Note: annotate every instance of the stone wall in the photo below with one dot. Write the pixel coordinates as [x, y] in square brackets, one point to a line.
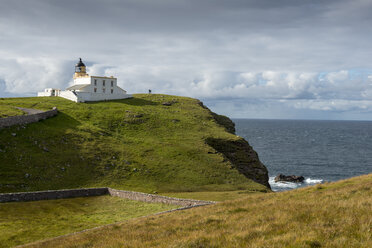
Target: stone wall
[71, 193]
[25, 119]
[52, 194]
[138, 196]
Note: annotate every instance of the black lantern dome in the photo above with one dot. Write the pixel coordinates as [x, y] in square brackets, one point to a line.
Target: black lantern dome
[80, 67]
[80, 63]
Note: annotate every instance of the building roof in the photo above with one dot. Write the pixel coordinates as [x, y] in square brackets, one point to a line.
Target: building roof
[110, 77]
[77, 87]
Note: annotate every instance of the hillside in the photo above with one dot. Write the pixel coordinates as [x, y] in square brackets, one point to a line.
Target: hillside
[328, 215]
[150, 143]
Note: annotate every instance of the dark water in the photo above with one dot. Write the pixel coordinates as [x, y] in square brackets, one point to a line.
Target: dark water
[318, 150]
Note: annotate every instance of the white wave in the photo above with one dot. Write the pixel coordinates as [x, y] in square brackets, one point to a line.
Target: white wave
[313, 181]
[280, 186]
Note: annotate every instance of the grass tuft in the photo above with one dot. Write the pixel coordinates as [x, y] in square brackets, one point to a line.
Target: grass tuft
[313, 244]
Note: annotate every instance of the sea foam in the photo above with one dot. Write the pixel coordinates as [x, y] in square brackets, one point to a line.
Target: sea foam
[313, 181]
[282, 186]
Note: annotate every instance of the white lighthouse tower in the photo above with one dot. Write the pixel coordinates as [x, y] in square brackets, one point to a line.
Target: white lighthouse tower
[89, 88]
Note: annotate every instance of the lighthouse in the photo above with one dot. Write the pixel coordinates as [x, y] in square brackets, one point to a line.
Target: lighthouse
[88, 88]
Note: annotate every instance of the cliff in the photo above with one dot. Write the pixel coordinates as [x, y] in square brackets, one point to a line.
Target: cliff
[238, 152]
[148, 143]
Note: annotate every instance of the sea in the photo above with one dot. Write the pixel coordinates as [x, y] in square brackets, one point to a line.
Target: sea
[319, 150]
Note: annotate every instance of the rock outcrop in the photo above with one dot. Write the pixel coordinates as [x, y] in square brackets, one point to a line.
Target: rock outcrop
[243, 158]
[291, 178]
[238, 152]
[221, 120]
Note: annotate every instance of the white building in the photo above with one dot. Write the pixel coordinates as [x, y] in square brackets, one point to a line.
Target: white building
[49, 92]
[89, 88]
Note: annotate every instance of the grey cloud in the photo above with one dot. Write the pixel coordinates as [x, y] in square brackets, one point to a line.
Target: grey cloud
[235, 50]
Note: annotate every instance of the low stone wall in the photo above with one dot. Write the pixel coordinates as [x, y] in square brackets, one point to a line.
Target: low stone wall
[52, 194]
[138, 196]
[86, 192]
[25, 119]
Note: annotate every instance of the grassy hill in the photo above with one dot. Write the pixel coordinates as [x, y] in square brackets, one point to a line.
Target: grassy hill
[327, 215]
[150, 143]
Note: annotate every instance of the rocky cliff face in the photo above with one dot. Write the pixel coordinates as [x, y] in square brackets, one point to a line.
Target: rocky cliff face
[243, 157]
[239, 152]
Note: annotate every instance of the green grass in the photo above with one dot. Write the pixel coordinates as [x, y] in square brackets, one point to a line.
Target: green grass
[24, 222]
[135, 144]
[7, 111]
[327, 215]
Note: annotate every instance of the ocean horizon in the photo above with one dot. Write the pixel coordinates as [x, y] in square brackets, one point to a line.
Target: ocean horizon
[319, 150]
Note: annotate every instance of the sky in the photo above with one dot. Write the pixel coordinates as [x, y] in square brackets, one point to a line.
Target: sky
[277, 59]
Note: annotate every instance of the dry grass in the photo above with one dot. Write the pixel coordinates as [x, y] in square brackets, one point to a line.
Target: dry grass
[213, 195]
[328, 215]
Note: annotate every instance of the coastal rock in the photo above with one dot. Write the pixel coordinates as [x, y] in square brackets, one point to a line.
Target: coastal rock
[291, 178]
[238, 152]
[170, 103]
[242, 157]
[222, 120]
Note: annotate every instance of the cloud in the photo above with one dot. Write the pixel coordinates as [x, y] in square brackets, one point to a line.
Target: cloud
[281, 85]
[26, 75]
[335, 105]
[309, 52]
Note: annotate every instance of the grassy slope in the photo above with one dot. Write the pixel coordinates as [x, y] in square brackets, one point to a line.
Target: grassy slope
[212, 195]
[6, 111]
[25, 222]
[328, 215]
[137, 144]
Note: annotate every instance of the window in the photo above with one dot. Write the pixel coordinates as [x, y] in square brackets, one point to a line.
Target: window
[112, 91]
[104, 82]
[112, 83]
[95, 82]
[103, 90]
[95, 90]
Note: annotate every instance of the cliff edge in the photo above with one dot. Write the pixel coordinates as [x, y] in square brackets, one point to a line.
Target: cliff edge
[238, 152]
